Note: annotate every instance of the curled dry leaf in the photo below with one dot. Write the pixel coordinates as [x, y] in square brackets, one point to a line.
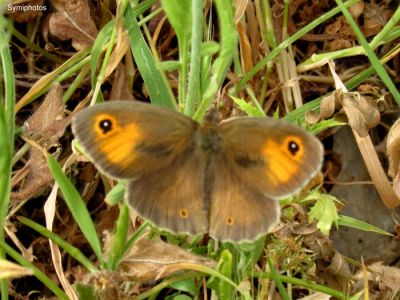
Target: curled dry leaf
[369, 154]
[361, 112]
[154, 259]
[328, 106]
[45, 127]
[72, 21]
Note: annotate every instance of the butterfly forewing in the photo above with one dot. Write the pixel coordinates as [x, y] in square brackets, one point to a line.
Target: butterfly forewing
[157, 151]
[128, 139]
[273, 156]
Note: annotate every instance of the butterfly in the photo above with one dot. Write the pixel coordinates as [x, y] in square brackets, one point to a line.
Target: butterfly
[193, 178]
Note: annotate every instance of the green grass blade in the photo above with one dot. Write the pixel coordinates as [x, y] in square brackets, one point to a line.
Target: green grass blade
[282, 291]
[97, 49]
[156, 83]
[193, 91]
[120, 237]
[361, 225]
[73, 251]
[7, 128]
[51, 285]
[228, 43]
[303, 283]
[179, 15]
[76, 205]
[66, 70]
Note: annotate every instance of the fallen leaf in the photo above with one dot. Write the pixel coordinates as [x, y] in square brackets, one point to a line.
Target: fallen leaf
[45, 127]
[72, 21]
[361, 113]
[120, 88]
[383, 278]
[374, 19]
[328, 106]
[26, 11]
[317, 296]
[155, 259]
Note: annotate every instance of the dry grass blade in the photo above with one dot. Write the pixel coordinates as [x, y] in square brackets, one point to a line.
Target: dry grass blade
[9, 270]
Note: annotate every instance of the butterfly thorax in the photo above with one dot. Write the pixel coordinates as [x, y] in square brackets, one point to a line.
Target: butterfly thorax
[210, 139]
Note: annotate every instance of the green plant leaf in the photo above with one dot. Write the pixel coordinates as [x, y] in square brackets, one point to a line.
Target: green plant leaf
[248, 108]
[116, 195]
[186, 285]
[159, 90]
[324, 211]
[180, 17]
[225, 267]
[361, 225]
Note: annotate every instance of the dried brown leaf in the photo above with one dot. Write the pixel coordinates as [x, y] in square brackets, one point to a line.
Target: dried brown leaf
[155, 259]
[120, 88]
[72, 21]
[317, 296]
[26, 11]
[357, 9]
[338, 44]
[45, 127]
[327, 108]
[361, 113]
[339, 267]
[340, 27]
[374, 19]
[385, 278]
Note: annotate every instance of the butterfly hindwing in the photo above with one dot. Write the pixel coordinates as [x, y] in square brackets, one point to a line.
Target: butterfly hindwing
[238, 210]
[172, 197]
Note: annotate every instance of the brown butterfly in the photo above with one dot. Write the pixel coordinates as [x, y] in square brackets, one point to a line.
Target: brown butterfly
[190, 178]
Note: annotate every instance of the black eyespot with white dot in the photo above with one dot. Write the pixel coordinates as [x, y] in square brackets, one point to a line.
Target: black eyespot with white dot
[105, 125]
[293, 147]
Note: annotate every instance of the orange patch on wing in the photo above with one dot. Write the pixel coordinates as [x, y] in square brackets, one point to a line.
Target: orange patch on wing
[118, 143]
[282, 164]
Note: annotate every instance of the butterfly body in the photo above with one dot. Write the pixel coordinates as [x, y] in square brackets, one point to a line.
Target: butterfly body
[218, 178]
